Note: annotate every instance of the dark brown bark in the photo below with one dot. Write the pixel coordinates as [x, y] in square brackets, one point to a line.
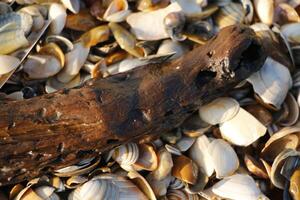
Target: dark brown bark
[59, 129]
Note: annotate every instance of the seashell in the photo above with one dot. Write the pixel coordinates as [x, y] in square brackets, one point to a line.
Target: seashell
[264, 10]
[249, 11]
[84, 167]
[194, 126]
[149, 5]
[284, 14]
[271, 83]
[174, 23]
[125, 39]
[8, 64]
[75, 181]
[41, 192]
[159, 187]
[12, 40]
[57, 183]
[223, 157]
[201, 182]
[243, 129]
[173, 150]
[255, 167]
[260, 113]
[142, 184]
[82, 21]
[219, 110]
[18, 95]
[52, 84]
[199, 153]
[291, 32]
[107, 186]
[64, 43]
[58, 16]
[176, 184]
[238, 187]
[41, 66]
[15, 191]
[95, 36]
[154, 19]
[19, 21]
[276, 177]
[72, 5]
[37, 17]
[54, 50]
[74, 61]
[148, 47]
[5, 8]
[172, 136]
[291, 108]
[126, 154]
[147, 159]
[230, 14]
[294, 185]
[185, 169]
[117, 11]
[180, 195]
[286, 138]
[169, 46]
[165, 164]
[189, 7]
[198, 31]
[185, 143]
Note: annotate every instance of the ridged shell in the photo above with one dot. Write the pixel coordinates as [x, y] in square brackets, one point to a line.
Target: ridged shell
[126, 154]
[147, 159]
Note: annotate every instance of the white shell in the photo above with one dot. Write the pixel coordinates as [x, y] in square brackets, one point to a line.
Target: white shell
[58, 16]
[169, 46]
[265, 10]
[112, 14]
[38, 19]
[219, 110]
[52, 84]
[41, 66]
[72, 5]
[8, 63]
[189, 6]
[223, 157]
[292, 32]
[165, 164]
[74, 61]
[243, 129]
[185, 143]
[237, 187]
[272, 82]
[200, 154]
[126, 154]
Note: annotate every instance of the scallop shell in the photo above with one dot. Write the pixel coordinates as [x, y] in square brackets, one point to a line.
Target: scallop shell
[243, 129]
[107, 186]
[58, 16]
[264, 10]
[223, 157]
[237, 187]
[117, 11]
[219, 110]
[271, 82]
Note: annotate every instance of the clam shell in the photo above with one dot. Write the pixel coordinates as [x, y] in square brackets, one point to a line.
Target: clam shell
[264, 10]
[64, 43]
[72, 5]
[199, 153]
[219, 110]
[259, 112]
[291, 107]
[201, 182]
[8, 63]
[41, 66]
[185, 143]
[223, 157]
[243, 129]
[255, 167]
[75, 181]
[12, 40]
[159, 187]
[37, 17]
[237, 187]
[82, 21]
[285, 13]
[95, 36]
[57, 183]
[126, 154]
[185, 169]
[107, 186]
[117, 11]
[58, 16]
[271, 82]
[194, 126]
[165, 164]
[74, 61]
[173, 150]
[291, 32]
[147, 159]
[54, 50]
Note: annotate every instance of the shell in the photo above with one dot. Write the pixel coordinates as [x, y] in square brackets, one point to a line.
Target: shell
[185, 169]
[169, 46]
[64, 43]
[291, 32]
[286, 138]
[194, 126]
[223, 157]
[37, 17]
[147, 159]
[180, 195]
[249, 11]
[285, 13]
[243, 129]
[264, 10]
[200, 184]
[260, 113]
[16, 95]
[39, 193]
[41, 66]
[291, 107]
[126, 154]
[255, 167]
[82, 21]
[176, 184]
[294, 184]
[271, 83]
[230, 14]
[125, 39]
[19, 21]
[173, 150]
[54, 50]
[8, 63]
[159, 187]
[199, 153]
[174, 23]
[185, 143]
[5, 8]
[12, 40]
[198, 31]
[95, 36]
[58, 16]
[75, 181]
[107, 186]
[237, 187]
[57, 183]
[165, 165]
[74, 61]
[72, 5]
[117, 11]
[52, 84]
[219, 110]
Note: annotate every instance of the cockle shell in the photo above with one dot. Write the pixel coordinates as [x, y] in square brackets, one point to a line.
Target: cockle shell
[264, 10]
[237, 187]
[223, 157]
[57, 14]
[107, 186]
[271, 83]
[243, 129]
[117, 11]
[219, 110]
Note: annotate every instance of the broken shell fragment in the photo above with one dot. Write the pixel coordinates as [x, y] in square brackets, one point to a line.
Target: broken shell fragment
[255, 167]
[223, 157]
[185, 169]
[117, 11]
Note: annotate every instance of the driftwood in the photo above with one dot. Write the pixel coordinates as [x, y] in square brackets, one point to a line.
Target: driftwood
[55, 130]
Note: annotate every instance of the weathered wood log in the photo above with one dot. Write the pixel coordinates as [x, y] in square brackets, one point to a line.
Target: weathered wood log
[55, 130]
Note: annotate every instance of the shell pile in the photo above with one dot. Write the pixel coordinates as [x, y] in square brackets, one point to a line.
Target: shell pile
[243, 146]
